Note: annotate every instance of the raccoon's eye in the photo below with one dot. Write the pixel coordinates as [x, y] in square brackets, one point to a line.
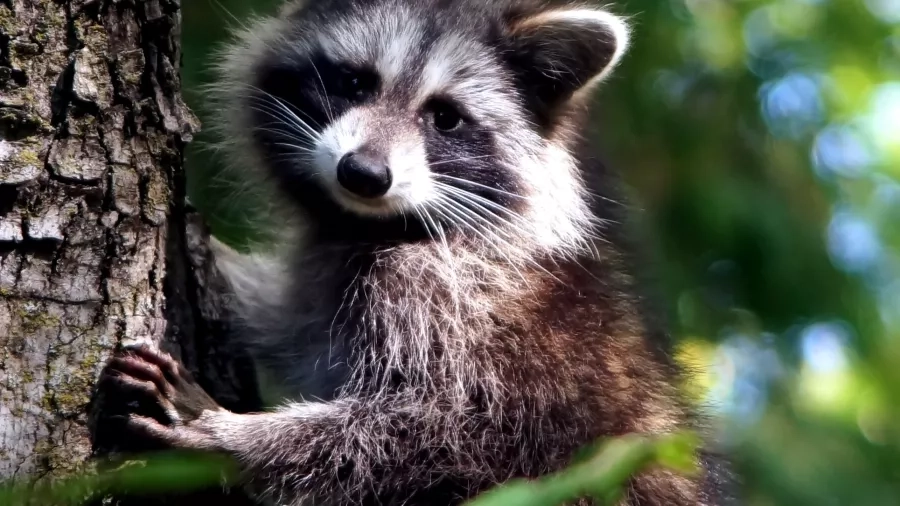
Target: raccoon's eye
[445, 116]
[355, 84]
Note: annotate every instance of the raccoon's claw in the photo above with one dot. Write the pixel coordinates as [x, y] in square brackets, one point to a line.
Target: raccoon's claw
[142, 374]
[193, 436]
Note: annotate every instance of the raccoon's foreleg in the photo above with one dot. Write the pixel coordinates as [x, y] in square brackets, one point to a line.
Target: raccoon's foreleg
[313, 451]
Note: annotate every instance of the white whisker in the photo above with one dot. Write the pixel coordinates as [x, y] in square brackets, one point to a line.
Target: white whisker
[299, 149]
[464, 159]
[479, 185]
[291, 107]
[326, 104]
[288, 135]
[422, 219]
[284, 114]
[451, 207]
[472, 210]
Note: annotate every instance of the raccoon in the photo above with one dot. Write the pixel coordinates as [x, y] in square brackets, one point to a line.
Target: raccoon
[457, 304]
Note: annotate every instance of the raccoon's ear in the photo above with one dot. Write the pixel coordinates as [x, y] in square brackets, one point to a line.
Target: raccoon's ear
[558, 53]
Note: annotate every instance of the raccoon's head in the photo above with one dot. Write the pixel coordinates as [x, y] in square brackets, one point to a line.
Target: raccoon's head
[416, 118]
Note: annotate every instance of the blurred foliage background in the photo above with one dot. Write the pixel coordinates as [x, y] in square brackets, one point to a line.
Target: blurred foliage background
[761, 140]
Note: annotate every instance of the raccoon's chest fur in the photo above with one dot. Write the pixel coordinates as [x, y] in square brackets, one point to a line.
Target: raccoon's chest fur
[298, 343]
[314, 369]
[417, 315]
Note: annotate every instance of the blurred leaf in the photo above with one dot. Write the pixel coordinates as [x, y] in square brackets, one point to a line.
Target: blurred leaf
[165, 473]
[601, 472]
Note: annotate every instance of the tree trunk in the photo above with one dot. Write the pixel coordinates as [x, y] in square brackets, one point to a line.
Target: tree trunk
[96, 244]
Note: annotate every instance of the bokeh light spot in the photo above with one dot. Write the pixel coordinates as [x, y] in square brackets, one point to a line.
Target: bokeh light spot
[841, 150]
[822, 346]
[853, 242]
[885, 10]
[791, 106]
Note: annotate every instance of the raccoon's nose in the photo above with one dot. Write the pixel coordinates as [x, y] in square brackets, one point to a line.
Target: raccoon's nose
[364, 175]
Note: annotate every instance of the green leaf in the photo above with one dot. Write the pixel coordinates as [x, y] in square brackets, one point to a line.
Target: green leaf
[171, 472]
[601, 471]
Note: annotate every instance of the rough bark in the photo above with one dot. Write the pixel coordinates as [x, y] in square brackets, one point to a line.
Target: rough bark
[96, 246]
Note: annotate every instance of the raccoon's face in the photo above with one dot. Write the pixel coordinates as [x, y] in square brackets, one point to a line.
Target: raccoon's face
[441, 116]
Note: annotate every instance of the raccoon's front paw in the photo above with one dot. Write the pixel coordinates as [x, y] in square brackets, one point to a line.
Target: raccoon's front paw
[141, 373]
